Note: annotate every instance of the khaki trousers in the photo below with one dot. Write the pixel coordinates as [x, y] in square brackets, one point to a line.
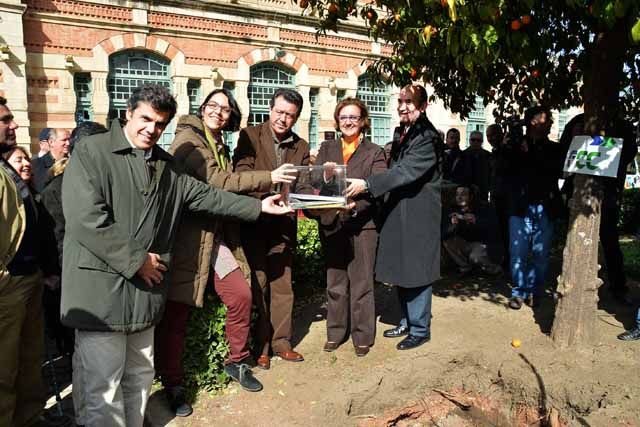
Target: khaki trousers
[118, 372]
[21, 349]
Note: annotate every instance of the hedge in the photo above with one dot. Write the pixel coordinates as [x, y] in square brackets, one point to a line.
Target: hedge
[206, 347]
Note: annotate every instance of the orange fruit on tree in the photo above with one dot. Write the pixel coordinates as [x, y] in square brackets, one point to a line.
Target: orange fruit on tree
[397, 17]
[516, 24]
[535, 74]
[413, 73]
[526, 19]
[333, 8]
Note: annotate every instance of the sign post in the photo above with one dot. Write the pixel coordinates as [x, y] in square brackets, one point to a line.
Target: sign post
[597, 155]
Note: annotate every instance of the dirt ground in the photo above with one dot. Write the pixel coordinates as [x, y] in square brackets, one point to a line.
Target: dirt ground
[468, 375]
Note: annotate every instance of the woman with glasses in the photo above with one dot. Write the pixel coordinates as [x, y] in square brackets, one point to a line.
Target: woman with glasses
[349, 237]
[209, 252]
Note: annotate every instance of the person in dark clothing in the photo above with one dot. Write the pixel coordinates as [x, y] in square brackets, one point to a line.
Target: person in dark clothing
[612, 196]
[58, 149]
[465, 232]
[533, 201]
[497, 188]
[408, 253]
[478, 160]
[454, 166]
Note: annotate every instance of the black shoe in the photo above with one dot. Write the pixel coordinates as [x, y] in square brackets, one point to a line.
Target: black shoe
[178, 402]
[396, 332]
[412, 341]
[632, 335]
[241, 373]
[515, 303]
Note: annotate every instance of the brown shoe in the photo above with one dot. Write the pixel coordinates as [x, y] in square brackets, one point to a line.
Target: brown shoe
[263, 362]
[290, 356]
[330, 346]
[361, 350]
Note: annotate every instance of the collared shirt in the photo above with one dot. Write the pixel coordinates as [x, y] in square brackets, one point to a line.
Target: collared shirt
[281, 146]
[149, 168]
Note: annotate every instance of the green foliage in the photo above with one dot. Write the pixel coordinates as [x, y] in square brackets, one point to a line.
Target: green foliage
[631, 254]
[308, 260]
[206, 347]
[510, 53]
[629, 211]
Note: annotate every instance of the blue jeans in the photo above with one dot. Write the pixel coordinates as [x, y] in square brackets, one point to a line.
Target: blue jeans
[529, 234]
[415, 304]
[638, 319]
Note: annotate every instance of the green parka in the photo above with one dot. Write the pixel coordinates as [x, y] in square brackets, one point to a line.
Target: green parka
[116, 212]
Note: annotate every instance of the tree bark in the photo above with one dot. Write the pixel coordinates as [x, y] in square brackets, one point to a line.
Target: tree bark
[575, 316]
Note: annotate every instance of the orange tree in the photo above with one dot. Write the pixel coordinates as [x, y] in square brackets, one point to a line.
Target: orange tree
[516, 53]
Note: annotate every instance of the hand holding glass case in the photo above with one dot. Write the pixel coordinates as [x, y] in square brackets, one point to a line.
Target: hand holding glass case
[327, 184]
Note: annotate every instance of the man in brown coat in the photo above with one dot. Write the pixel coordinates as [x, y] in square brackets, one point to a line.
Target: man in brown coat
[269, 244]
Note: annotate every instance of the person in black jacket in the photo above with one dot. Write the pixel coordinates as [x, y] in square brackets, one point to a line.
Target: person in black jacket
[533, 201]
[409, 247]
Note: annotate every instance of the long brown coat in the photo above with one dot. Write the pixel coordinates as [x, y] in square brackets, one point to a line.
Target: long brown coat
[196, 233]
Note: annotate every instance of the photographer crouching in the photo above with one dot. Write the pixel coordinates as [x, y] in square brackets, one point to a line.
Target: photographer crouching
[533, 201]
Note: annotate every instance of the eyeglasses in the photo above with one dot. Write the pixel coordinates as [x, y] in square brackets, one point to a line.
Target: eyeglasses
[351, 119]
[213, 106]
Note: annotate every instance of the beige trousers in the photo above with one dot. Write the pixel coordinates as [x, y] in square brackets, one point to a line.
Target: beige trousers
[116, 376]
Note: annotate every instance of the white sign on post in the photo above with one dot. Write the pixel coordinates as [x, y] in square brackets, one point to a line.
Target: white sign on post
[597, 155]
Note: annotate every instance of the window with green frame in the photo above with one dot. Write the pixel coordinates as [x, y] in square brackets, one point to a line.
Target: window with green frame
[130, 69]
[82, 87]
[265, 79]
[476, 120]
[377, 99]
[195, 95]
[313, 119]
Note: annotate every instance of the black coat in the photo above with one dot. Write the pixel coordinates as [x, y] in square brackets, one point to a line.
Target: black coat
[51, 198]
[40, 168]
[409, 245]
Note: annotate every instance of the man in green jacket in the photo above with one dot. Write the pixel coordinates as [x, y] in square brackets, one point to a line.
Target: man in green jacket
[122, 198]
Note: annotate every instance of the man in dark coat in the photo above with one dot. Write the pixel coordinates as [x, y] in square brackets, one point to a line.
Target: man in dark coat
[409, 247]
[58, 149]
[122, 198]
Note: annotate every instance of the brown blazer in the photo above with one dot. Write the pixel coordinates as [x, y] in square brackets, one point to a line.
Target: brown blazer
[368, 159]
[196, 234]
[256, 151]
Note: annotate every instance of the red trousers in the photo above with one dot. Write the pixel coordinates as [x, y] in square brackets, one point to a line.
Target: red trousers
[235, 293]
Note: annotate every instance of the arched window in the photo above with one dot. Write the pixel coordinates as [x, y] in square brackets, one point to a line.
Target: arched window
[127, 71]
[376, 98]
[266, 78]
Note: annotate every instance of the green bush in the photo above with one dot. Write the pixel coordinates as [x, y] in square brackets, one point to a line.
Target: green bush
[308, 261]
[629, 211]
[206, 347]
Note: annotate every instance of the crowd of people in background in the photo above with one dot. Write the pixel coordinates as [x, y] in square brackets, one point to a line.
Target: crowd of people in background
[111, 241]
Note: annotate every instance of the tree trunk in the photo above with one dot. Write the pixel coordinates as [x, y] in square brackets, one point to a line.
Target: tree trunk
[575, 317]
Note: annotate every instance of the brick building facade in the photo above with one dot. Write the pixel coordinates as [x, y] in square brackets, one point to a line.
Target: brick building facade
[63, 61]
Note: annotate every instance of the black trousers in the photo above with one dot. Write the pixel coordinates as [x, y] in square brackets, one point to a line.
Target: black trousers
[609, 237]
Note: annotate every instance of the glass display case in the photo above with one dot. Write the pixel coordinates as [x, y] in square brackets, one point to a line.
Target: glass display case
[317, 187]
